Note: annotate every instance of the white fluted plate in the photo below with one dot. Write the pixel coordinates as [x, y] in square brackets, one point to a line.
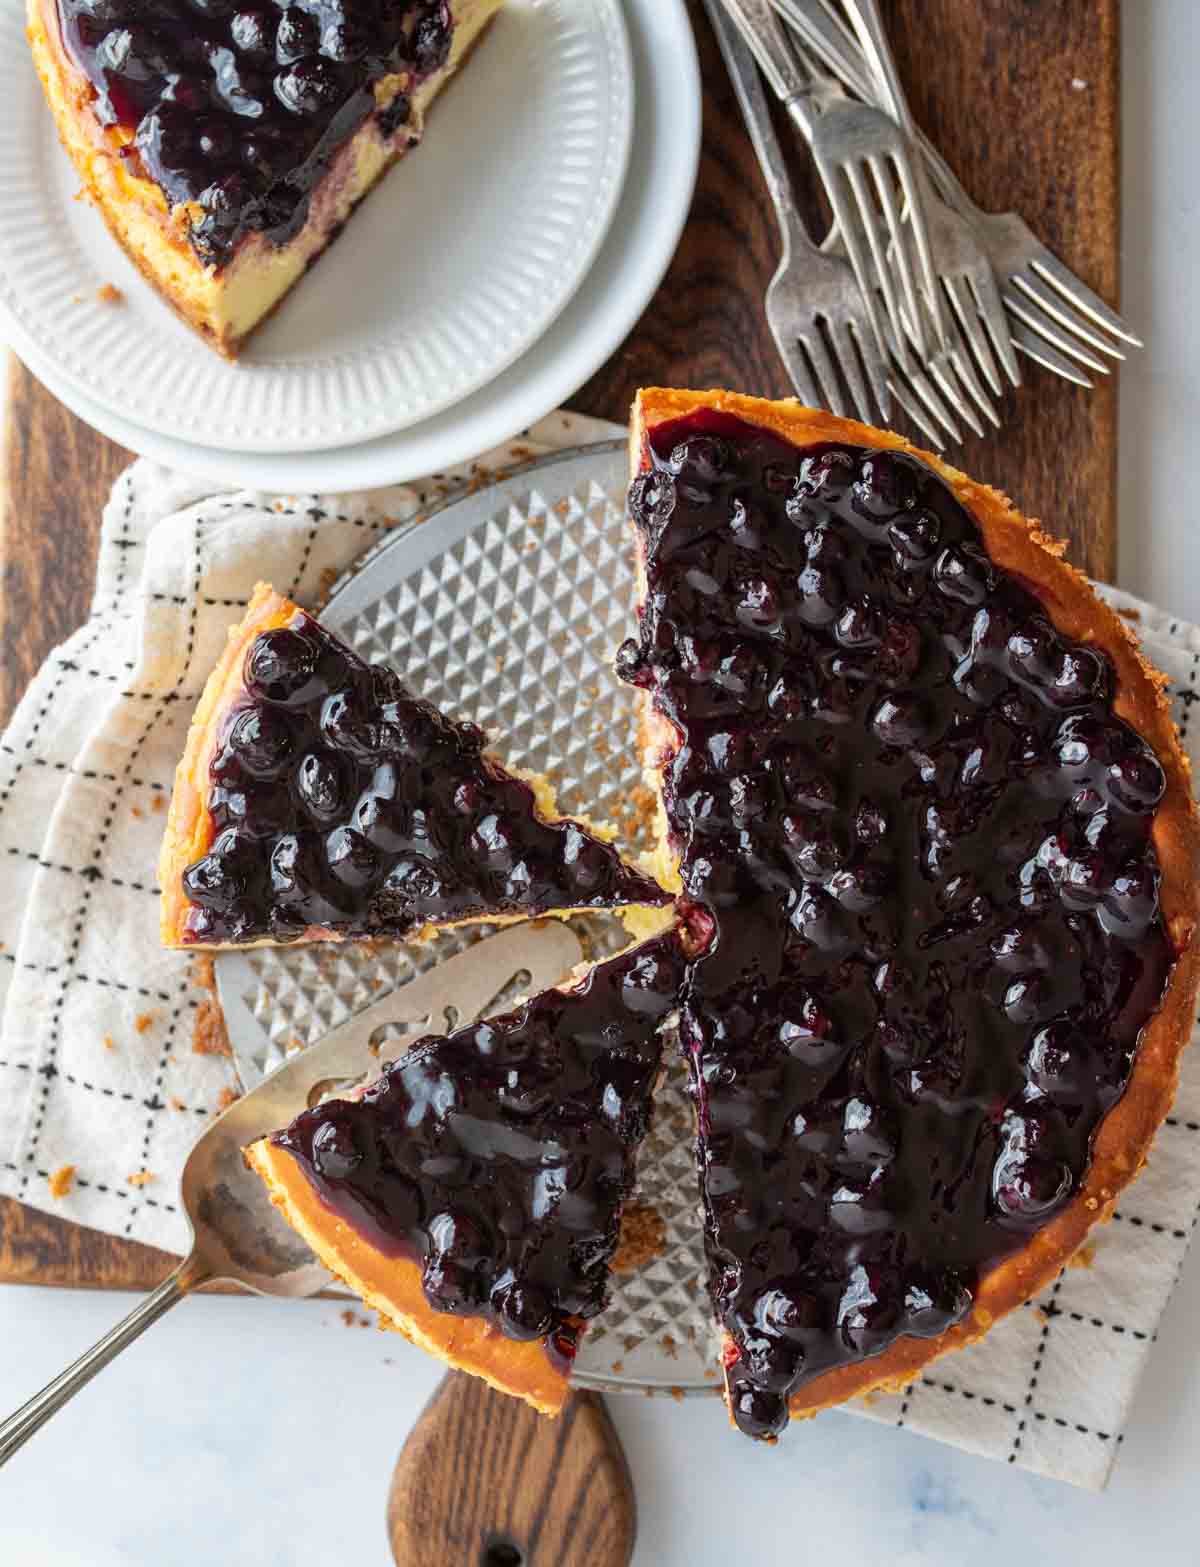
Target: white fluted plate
[450, 271]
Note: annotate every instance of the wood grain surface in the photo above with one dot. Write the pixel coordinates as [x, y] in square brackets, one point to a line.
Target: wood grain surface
[484, 1479]
[1022, 97]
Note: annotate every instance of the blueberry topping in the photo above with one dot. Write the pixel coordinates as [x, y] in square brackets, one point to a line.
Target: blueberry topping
[497, 1157]
[239, 108]
[920, 839]
[338, 800]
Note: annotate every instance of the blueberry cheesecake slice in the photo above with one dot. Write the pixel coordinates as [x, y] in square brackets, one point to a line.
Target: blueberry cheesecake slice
[924, 796]
[225, 145]
[318, 799]
[472, 1195]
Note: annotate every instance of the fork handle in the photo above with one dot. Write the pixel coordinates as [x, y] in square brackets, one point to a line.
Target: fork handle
[867, 21]
[32, 1416]
[756, 111]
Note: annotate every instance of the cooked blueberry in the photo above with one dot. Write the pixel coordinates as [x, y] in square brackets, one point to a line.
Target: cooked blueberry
[262, 740]
[886, 486]
[335, 1153]
[757, 1412]
[321, 785]
[703, 461]
[758, 604]
[345, 41]
[351, 858]
[870, 822]
[963, 573]
[652, 498]
[164, 138]
[900, 719]
[349, 727]
[628, 662]
[430, 46]
[219, 880]
[524, 1310]
[585, 860]
[779, 479]
[1131, 902]
[825, 477]
[915, 537]
[309, 86]
[189, 92]
[1082, 677]
[860, 625]
[253, 32]
[296, 36]
[1029, 1187]
[821, 594]
[771, 1361]
[493, 840]
[264, 155]
[396, 114]
[651, 985]
[1137, 779]
[280, 666]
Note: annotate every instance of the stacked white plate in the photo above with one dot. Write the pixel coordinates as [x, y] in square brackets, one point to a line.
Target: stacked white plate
[493, 271]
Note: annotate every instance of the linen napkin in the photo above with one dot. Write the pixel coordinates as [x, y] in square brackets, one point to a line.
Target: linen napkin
[106, 1070]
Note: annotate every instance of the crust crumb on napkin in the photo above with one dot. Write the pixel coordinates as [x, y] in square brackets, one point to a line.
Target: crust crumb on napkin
[143, 1021]
[107, 1042]
[208, 1031]
[61, 1180]
[141, 1178]
[109, 294]
[643, 1237]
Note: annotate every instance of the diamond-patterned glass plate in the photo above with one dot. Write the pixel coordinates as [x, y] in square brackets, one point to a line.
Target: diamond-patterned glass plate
[505, 607]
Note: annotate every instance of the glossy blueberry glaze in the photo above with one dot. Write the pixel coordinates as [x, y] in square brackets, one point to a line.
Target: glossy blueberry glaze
[498, 1156]
[339, 800]
[240, 109]
[920, 839]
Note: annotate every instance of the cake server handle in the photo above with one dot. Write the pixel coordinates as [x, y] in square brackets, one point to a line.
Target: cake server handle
[485, 1481]
[32, 1416]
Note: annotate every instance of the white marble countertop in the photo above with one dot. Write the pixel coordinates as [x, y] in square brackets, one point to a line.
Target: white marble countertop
[264, 1433]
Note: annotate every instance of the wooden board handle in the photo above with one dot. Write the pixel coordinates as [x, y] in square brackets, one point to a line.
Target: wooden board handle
[485, 1481]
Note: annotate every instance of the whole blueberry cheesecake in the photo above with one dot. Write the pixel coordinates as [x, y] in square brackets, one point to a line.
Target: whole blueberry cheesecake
[318, 799]
[225, 145]
[472, 1195]
[924, 805]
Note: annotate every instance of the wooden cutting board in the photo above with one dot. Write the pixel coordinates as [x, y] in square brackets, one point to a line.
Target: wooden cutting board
[1022, 96]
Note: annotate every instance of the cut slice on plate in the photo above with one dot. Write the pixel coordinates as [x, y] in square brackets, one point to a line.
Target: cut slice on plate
[925, 795]
[472, 1195]
[226, 148]
[317, 799]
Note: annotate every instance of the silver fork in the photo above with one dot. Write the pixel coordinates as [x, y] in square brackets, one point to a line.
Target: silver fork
[959, 258]
[896, 326]
[848, 140]
[815, 309]
[817, 314]
[1050, 307]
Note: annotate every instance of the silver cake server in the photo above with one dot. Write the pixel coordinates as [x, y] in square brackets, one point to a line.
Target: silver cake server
[237, 1234]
